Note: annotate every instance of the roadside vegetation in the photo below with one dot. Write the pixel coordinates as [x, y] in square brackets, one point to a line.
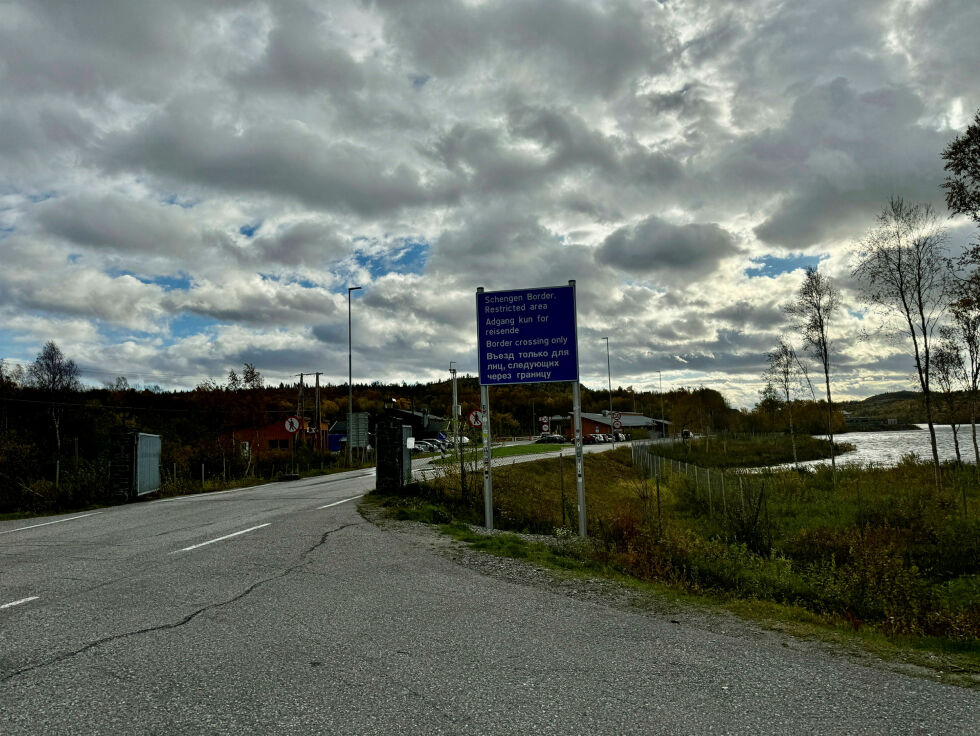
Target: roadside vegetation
[881, 557]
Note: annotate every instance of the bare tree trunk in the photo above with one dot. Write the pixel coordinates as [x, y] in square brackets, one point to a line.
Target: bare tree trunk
[792, 433]
[830, 426]
[956, 443]
[932, 435]
[973, 428]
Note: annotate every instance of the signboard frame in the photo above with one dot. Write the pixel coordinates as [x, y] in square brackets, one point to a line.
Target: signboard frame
[527, 335]
[520, 362]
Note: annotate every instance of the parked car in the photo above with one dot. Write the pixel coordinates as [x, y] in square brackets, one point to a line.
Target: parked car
[550, 439]
[620, 437]
[590, 439]
[687, 434]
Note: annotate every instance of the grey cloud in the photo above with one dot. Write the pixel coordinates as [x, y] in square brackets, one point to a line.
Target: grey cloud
[501, 248]
[90, 49]
[254, 302]
[596, 50]
[36, 134]
[493, 160]
[839, 157]
[942, 36]
[759, 316]
[115, 223]
[310, 243]
[657, 246]
[284, 158]
[299, 57]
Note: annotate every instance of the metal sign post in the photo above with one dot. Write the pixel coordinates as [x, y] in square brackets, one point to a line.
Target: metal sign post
[577, 424]
[487, 457]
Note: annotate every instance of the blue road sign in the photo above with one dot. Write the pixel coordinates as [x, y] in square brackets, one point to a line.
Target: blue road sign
[441, 437]
[527, 335]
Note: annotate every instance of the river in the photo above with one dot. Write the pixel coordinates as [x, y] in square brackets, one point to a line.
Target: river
[887, 448]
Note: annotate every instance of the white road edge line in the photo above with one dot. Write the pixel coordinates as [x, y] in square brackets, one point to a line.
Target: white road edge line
[337, 503]
[58, 521]
[203, 495]
[22, 600]
[227, 536]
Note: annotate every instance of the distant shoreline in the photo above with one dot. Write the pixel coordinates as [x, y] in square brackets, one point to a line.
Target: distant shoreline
[880, 428]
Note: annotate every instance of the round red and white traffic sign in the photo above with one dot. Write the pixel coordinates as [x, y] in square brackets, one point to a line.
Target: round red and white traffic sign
[545, 427]
[617, 424]
[292, 424]
[475, 418]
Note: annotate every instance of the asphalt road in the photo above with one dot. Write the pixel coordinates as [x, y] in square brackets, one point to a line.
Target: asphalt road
[279, 609]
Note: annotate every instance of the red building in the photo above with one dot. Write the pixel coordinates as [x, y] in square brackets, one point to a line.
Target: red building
[602, 424]
[275, 437]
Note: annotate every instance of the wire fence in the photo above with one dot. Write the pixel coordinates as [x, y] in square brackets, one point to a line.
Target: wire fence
[738, 503]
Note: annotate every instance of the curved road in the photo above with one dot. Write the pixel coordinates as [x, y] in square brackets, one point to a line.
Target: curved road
[279, 609]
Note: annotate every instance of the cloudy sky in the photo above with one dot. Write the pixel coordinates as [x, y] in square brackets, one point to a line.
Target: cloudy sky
[187, 186]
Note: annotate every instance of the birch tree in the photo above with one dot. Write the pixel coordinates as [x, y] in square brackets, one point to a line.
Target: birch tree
[784, 375]
[812, 313]
[904, 273]
[950, 373]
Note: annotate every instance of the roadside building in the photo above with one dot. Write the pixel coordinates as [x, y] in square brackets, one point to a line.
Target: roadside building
[633, 423]
[424, 425]
[274, 437]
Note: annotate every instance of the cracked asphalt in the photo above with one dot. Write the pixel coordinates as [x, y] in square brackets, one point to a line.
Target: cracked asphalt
[260, 611]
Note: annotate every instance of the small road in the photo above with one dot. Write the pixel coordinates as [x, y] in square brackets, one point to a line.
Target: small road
[279, 609]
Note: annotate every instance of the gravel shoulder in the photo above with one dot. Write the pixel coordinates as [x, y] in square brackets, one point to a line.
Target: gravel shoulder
[621, 596]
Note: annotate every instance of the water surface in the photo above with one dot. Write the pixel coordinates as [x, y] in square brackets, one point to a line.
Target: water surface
[887, 448]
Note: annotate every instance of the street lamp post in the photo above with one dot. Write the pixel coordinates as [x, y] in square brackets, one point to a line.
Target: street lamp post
[350, 380]
[609, 375]
[663, 427]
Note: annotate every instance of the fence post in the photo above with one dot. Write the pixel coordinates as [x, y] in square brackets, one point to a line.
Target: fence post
[202, 476]
[711, 510]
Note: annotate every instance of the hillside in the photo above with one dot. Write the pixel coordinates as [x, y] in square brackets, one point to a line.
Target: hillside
[905, 406]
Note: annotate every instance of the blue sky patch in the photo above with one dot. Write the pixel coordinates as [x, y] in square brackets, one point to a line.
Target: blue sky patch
[408, 256]
[249, 230]
[771, 266]
[182, 203]
[191, 324]
[169, 283]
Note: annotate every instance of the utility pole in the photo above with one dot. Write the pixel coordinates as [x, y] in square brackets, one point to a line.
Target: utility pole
[350, 379]
[609, 374]
[300, 408]
[317, 415]
[456, 431]
[663, 427]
